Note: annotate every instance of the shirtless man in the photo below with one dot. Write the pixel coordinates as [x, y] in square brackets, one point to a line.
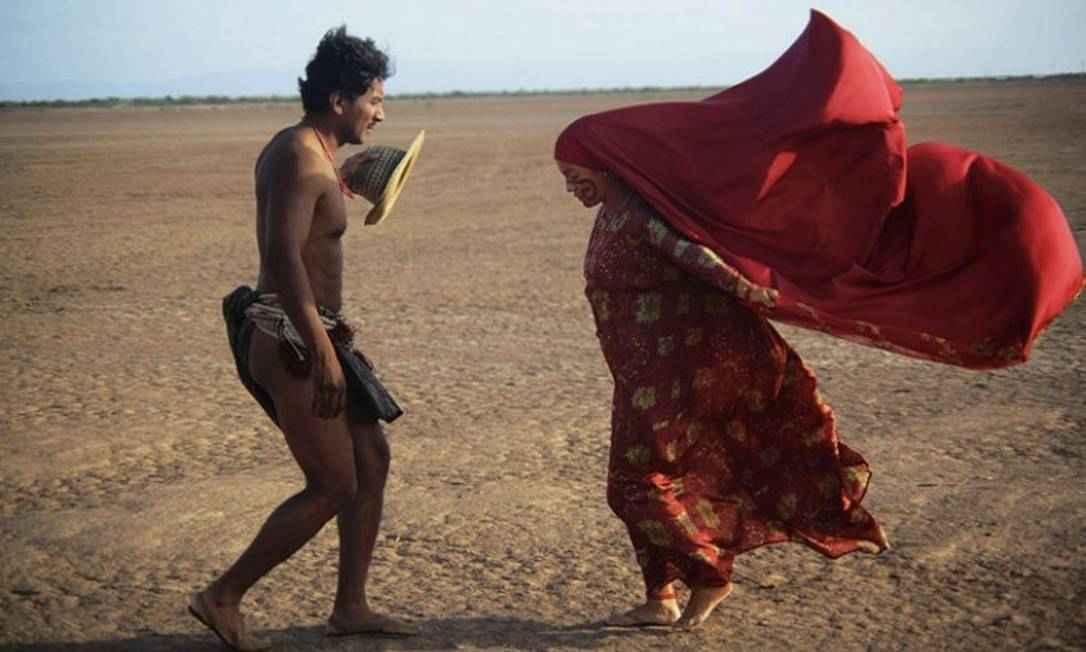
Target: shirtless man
[289, 344]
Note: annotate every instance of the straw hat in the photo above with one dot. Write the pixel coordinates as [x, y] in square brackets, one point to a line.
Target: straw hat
[381, 176]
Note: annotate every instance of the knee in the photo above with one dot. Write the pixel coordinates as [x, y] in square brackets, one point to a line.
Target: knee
[374, 473]
[335, 492]
[376, 457]
[381, 455]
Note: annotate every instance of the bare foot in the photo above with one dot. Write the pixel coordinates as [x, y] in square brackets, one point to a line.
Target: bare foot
[368, 622]
[701, 604]
[226, 622]
[652, 613]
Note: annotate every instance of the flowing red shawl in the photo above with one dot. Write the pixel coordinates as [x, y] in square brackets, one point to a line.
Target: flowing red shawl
[799, 179]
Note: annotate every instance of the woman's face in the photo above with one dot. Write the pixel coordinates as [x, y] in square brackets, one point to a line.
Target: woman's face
[589, 186]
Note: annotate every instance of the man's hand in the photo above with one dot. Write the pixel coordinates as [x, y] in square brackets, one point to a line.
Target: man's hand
[329, 385]
[353, 169]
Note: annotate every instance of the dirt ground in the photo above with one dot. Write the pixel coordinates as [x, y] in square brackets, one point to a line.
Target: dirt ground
[133, 465]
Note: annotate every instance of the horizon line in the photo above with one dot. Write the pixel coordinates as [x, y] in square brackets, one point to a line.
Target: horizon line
[217, 99]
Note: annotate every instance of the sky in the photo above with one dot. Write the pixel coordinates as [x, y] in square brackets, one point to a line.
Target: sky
[79, 49]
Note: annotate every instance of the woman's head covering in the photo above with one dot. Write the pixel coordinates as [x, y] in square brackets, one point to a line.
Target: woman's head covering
[797, 178]
[568, 148]
[748, 170]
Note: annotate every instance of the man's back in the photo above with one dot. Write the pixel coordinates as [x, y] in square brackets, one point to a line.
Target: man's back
[300, 209]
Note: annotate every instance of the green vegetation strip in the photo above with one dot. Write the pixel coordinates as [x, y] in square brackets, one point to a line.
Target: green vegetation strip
[217, 100]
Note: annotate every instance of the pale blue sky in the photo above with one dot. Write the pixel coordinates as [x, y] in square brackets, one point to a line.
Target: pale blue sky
[72, 49]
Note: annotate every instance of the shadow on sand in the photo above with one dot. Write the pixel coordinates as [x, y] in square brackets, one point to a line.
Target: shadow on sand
[438, 634]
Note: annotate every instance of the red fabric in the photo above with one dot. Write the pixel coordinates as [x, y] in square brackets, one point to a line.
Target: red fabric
[799, 179]
[720, 442]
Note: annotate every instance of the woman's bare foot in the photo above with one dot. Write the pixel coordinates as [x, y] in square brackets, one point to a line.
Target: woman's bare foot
[702, 602]
[653, 612]
[226, 621]
[368, 622]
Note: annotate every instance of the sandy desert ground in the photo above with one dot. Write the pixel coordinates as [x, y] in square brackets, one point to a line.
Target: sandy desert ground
[133, 465]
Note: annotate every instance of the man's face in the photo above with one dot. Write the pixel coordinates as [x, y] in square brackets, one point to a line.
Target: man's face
[363, 113]
[589, 186]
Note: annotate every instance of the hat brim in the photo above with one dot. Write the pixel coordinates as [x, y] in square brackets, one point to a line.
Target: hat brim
[396, 182]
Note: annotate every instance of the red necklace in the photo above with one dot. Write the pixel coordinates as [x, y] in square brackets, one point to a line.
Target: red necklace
[331, 159]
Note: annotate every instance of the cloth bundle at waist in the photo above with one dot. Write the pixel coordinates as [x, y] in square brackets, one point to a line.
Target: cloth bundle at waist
[245, 309]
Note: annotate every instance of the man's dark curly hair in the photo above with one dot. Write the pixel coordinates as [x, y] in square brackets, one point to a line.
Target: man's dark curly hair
[342, 63]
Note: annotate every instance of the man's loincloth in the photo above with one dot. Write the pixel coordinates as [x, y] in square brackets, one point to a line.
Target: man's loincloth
[245, 309]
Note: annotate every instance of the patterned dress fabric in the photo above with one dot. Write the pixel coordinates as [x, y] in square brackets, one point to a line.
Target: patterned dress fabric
[720, 440]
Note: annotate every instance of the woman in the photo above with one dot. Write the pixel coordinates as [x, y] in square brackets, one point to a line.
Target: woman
[720, 442]
[784, 197]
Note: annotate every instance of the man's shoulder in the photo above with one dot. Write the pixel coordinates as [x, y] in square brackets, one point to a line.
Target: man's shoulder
[291, 149]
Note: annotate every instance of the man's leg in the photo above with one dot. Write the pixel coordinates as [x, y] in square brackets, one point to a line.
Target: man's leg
[324, 450]
[358, 525]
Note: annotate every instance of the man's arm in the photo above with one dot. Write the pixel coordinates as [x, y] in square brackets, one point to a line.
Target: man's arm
[294, 186]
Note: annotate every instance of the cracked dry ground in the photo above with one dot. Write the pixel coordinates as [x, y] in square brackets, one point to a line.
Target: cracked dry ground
[133, 466]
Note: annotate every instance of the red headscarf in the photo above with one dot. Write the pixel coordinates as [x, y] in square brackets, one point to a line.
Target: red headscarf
[797, 178]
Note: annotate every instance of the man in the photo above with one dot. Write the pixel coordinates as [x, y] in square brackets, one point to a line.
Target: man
[294, 353]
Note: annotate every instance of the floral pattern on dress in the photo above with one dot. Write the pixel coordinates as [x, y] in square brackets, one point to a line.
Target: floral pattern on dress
[720, 441]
